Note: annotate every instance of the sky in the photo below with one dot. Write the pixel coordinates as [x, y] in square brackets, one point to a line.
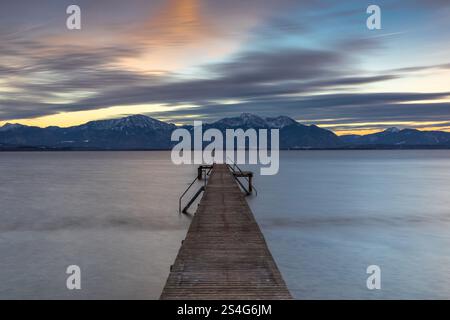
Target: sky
[183, 60]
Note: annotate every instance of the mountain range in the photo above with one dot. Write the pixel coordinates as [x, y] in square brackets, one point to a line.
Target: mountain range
[139, 132]
[400, 138]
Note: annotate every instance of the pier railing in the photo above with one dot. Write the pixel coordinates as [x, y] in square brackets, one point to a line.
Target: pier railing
[247, 175]
[184, 193]
[206, 170]
[203, 173]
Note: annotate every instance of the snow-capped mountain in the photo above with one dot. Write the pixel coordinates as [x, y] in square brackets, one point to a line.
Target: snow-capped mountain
[244, 121]
[397, 137]
[280, 122]
[392, 130]
[248, 120]
[133, 132]
[293, 135]
[11, 126]
[142, 132]
[131, 122]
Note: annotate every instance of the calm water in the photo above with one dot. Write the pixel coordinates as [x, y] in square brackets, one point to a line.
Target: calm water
[326, 216]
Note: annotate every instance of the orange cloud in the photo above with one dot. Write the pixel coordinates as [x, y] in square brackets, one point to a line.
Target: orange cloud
[180, 36]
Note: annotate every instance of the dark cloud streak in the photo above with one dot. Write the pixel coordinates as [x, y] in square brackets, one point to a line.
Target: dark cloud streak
[276, 80]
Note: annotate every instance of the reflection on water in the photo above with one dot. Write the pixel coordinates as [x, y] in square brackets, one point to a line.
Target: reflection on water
[326, 216]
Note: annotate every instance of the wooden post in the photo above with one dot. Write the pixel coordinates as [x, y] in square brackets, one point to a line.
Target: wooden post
[200, 173]
[250, 183]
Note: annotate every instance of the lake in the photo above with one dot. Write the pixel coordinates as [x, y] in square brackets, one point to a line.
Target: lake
[327, 216]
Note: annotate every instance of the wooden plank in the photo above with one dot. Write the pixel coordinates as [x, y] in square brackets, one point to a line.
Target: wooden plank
[224, 255]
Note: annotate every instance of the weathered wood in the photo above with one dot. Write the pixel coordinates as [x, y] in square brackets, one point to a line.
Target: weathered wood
[224, 255]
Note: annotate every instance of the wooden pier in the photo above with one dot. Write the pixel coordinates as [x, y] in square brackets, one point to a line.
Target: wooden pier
[224, 255]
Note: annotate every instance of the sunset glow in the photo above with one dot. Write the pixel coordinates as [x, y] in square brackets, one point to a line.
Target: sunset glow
[179, 60]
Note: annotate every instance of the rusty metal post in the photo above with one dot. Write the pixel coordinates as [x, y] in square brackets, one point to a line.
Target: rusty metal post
[200, 173]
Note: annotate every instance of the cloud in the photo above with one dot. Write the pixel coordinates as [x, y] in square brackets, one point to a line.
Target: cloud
[343, 108]
[432, 3]
[248, 76]
[223, 57]
[261, 80]
[444, 66]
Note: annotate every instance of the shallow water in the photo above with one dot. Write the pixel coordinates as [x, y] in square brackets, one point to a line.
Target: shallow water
[326, 216]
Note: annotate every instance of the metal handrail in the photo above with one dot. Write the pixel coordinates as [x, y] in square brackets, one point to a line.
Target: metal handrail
[184, 193]
[192, 183]
[202, 189]
[248, 180]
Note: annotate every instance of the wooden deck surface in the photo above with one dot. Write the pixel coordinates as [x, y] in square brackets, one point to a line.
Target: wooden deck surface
[224, 255]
